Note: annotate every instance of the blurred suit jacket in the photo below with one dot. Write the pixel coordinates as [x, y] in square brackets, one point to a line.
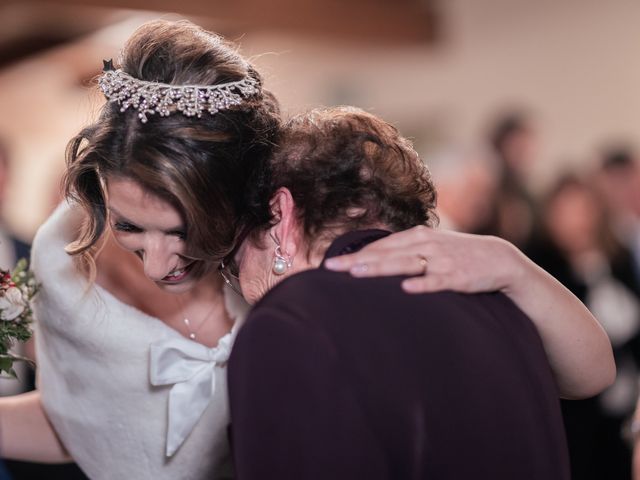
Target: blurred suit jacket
[334, 377]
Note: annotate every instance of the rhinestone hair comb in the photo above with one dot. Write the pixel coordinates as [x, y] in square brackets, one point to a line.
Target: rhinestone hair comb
[150, 98]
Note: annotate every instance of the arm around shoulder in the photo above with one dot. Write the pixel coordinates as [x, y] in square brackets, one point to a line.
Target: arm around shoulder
[577, 346]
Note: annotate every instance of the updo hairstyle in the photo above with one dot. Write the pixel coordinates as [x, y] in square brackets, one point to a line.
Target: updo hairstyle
[198, 165]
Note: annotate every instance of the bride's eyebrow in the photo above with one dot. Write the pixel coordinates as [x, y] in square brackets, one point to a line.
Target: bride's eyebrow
[170, 231]
[119, 215]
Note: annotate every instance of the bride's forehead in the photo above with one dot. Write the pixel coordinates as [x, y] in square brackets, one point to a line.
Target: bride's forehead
[128, 198]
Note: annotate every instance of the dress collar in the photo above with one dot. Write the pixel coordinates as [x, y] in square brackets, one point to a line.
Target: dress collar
[351, 242]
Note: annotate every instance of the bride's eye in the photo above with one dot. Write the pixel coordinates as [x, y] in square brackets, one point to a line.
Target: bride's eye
[178, 233]
[126, 227]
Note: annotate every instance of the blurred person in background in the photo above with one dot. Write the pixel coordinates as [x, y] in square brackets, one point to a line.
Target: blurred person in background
[515, 217]
[618, 179]
[582, 252]
[466, 183]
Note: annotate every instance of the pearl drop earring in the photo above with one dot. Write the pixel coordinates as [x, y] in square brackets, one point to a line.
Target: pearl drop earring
[280, 263]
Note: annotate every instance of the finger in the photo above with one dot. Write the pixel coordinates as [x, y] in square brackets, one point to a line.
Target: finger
[379, 255]
[400, 265]
[426, 283]
[374, 255]
[414, 238]
[383, 262]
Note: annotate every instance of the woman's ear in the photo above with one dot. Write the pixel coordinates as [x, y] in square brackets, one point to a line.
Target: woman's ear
[286, 231]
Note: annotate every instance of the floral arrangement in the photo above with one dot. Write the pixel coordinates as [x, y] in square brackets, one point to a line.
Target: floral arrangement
[17, 288]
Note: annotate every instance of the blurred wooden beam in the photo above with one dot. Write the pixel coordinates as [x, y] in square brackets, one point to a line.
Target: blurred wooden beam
[371, 21]
[27, 28]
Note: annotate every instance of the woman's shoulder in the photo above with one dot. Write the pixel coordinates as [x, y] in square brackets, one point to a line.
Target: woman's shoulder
[61, 282]
[54, 234]
[300, 297]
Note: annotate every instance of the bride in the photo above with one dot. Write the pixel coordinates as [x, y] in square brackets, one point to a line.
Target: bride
[132, 346]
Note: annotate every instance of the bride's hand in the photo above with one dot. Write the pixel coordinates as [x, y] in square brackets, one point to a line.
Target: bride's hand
[439, 260]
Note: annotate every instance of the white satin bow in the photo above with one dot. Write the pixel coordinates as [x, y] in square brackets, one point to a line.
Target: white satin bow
[190, 368]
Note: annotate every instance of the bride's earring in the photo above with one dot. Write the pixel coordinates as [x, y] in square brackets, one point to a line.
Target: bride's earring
[280, 263]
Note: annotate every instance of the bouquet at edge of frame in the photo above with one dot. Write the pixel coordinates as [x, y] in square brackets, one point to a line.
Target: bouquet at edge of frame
[17, 289]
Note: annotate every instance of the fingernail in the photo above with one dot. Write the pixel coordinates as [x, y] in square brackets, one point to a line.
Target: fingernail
[332, 263]
[410, 286]
[359, 269]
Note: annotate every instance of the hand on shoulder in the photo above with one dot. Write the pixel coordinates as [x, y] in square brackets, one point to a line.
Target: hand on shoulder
[439, 260]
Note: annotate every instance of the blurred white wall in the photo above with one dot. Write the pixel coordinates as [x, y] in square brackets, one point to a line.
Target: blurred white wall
[574, 63]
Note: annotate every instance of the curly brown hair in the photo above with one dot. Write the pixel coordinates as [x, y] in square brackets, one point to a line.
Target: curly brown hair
[346, 169]
[198, 165]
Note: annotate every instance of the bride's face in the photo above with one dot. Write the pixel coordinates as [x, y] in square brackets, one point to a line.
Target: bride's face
[154, 230]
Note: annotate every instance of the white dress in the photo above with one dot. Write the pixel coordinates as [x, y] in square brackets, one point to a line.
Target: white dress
[93, 356]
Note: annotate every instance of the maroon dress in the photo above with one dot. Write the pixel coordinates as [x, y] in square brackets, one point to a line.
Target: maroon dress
[334, 377]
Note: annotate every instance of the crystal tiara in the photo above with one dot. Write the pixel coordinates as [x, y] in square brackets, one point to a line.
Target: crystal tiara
[150, 98]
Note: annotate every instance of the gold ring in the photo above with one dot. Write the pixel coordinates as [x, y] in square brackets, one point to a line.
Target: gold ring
[423, 263]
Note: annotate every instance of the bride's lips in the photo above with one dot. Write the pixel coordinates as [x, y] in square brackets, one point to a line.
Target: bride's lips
[178, 274]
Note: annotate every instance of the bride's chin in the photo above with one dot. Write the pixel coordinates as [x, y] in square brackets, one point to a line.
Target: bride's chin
[177, 288]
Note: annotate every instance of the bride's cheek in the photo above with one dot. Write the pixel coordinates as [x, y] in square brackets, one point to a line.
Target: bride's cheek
[126, 241]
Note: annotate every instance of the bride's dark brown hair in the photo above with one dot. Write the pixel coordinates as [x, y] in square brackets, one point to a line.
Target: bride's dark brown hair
[198, 165]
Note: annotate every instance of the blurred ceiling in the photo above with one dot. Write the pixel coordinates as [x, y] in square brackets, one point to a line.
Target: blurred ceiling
[30, 27]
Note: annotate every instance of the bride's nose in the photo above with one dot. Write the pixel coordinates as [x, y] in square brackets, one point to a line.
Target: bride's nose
[158, 260]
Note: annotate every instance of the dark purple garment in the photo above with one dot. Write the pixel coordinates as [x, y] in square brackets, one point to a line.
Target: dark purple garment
[334, 377]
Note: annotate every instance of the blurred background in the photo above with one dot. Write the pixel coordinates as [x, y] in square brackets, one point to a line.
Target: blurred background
[526, 112]
[443, 71]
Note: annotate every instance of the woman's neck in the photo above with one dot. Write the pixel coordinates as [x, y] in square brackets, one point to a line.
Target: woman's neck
[121, 273]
